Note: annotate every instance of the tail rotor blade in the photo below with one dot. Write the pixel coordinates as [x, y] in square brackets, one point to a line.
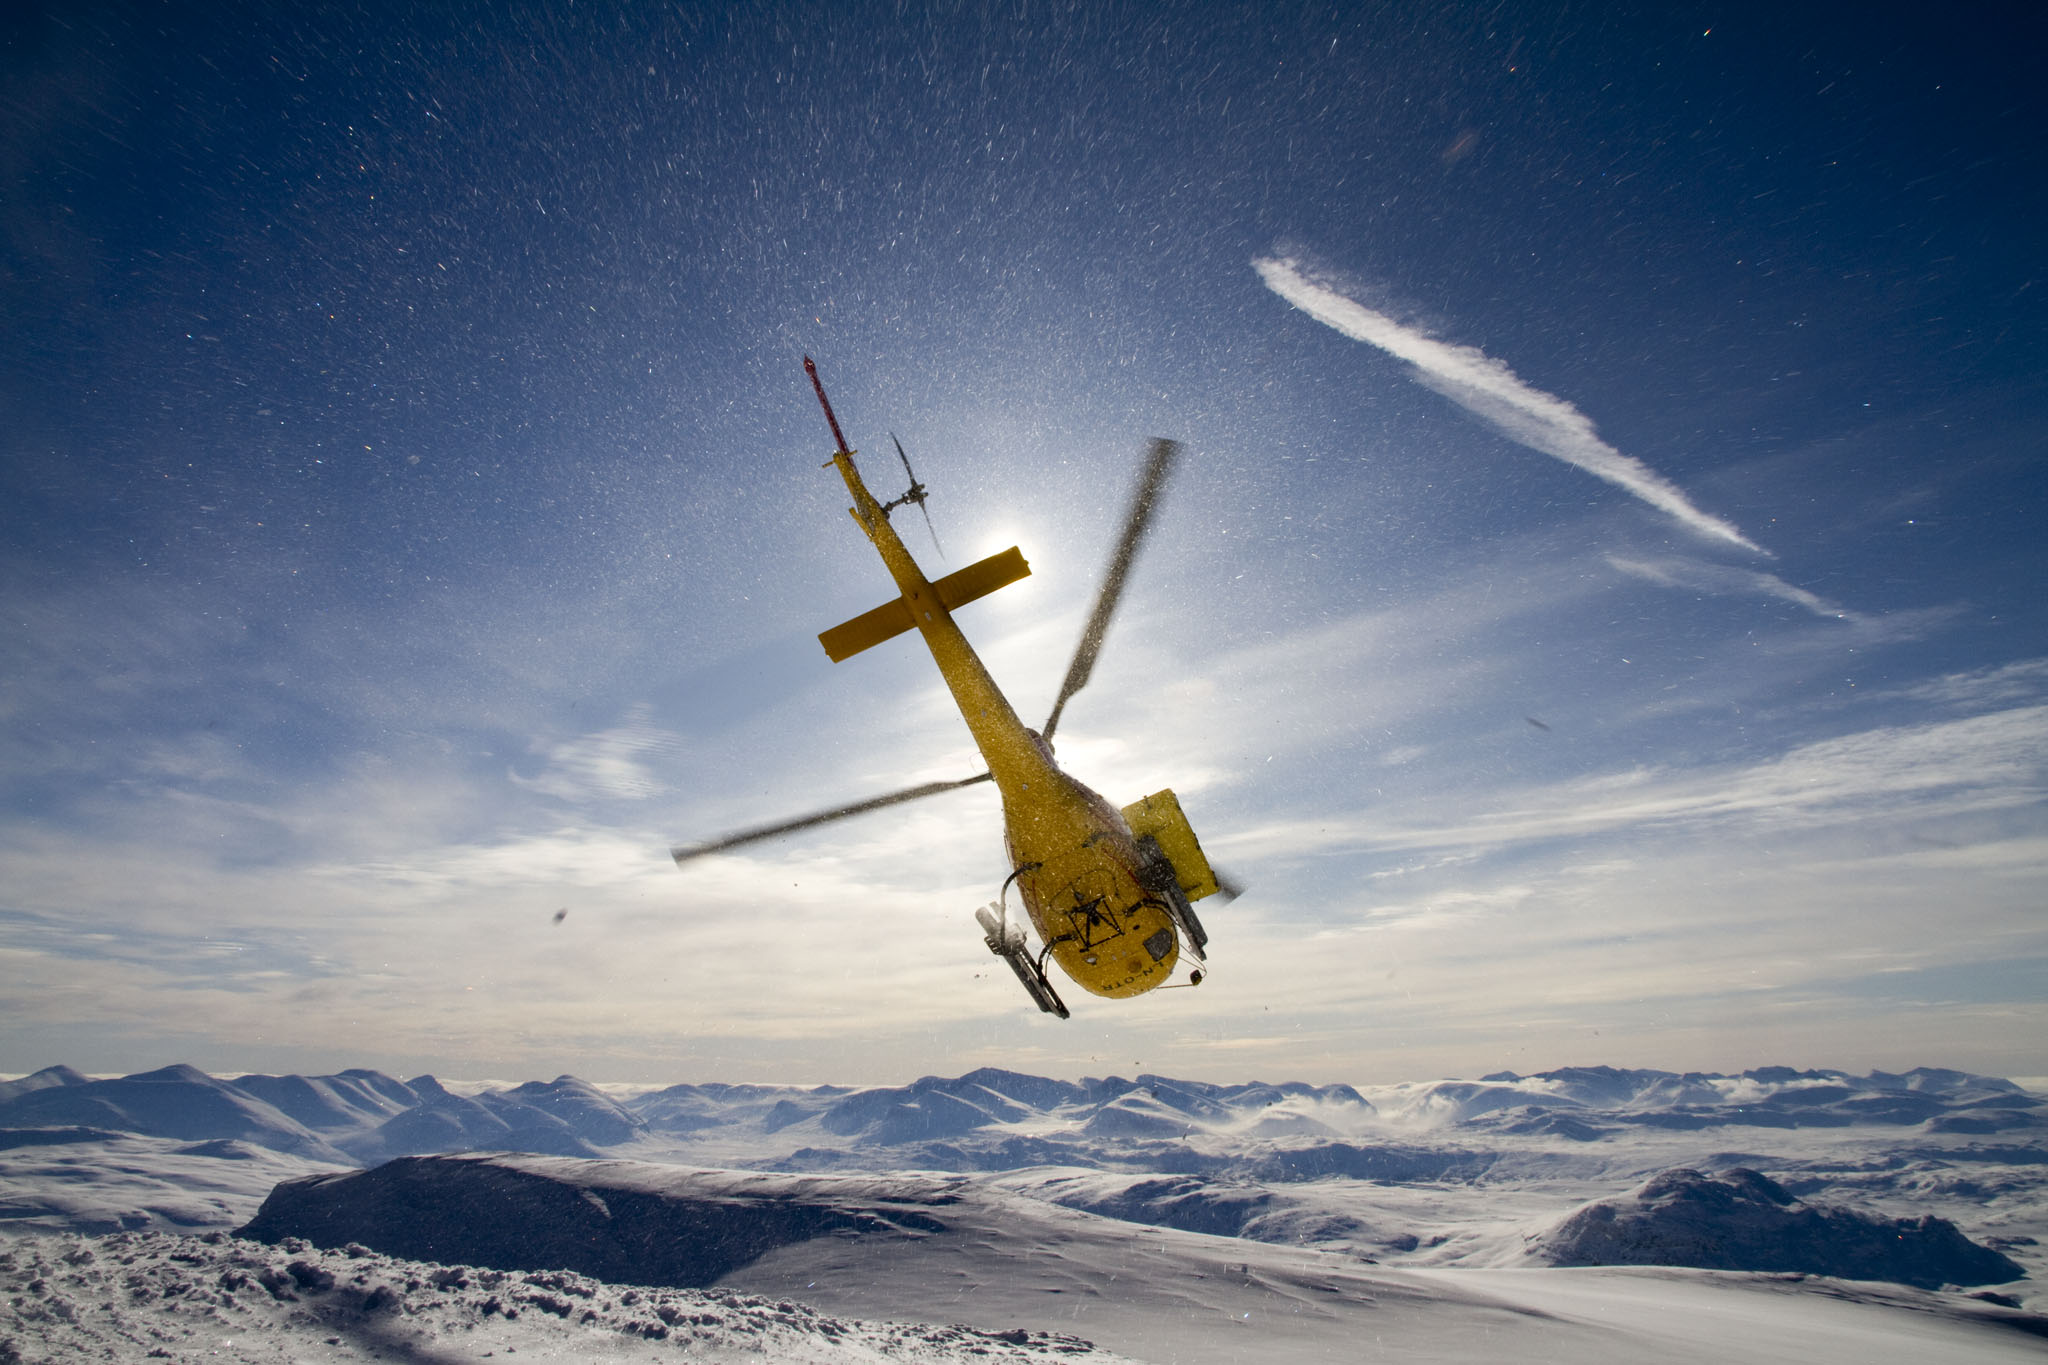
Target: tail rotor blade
[1158, 464]
[917, 495]
[682, 853]
[908, 472]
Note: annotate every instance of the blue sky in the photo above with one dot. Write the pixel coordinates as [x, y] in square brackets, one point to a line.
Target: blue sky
[1617, 638]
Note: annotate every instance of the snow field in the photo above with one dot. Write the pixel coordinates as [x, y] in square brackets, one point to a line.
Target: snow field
[147, 1297]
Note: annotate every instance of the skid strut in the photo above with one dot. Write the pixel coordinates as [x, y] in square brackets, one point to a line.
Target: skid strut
[1156, 875]
[1006, 941]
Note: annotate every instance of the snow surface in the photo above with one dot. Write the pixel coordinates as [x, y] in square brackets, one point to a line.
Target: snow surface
[959, 1249]
[92, 1180]
[144, 1297]
[1162, 1219]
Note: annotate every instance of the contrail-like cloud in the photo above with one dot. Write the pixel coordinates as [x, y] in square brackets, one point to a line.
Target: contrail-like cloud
[1691, 573]
[1493, 393]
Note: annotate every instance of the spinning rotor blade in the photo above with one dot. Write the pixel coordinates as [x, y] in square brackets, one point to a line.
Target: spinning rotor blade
[1228, 888]
[1158, 463]
[684, 852]
[916, 495]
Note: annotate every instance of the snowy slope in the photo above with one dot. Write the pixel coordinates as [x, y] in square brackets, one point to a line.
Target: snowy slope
[1150, 1215]
[92, 1180]
[960, 1250]
[133, 1298]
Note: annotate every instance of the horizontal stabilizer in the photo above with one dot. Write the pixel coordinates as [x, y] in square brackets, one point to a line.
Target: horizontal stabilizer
[956, 589]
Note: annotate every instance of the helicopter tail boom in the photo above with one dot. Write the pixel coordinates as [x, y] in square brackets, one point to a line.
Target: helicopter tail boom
[893, 618]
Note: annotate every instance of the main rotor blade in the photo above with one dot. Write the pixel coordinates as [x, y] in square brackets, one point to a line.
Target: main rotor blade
[1158, 464]
[684, 852]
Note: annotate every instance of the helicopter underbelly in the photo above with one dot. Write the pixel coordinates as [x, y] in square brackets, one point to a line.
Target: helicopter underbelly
[1082, 892]
[1121, 964]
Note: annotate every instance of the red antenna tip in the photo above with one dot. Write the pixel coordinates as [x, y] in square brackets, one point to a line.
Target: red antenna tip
[826, 404]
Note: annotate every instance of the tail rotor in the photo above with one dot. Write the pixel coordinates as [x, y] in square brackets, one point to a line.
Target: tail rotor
[917, 494]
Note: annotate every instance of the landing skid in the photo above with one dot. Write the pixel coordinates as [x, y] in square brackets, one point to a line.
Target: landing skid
[1006, 941]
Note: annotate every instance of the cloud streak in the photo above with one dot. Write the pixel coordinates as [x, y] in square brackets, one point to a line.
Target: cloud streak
[615, 763]
[1718, 578]
[1497, 396]
[1916, 774]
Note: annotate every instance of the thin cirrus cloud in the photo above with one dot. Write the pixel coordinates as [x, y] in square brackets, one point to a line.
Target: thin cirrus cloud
[1720, 578]
[1912, 774]
[610, 764]
[1493, 393]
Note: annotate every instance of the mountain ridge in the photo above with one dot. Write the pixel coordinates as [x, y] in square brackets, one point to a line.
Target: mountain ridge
[361, 1116]
[1447, 1173]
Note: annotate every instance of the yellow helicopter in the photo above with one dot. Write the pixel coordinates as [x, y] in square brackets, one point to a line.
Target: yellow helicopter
[1110, 893]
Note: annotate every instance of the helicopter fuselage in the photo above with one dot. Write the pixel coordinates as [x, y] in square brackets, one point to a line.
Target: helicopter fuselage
[1076, 865]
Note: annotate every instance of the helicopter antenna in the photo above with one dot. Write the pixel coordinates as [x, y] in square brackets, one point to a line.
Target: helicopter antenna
[826, 403]
[917, 495]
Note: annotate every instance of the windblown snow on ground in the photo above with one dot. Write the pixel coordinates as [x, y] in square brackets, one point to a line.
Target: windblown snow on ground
[1585, 1214]
[146, 1297]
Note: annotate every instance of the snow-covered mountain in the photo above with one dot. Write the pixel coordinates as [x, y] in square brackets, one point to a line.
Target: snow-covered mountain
[175, 1102]
[962, 1248]
[353, 1118]
[1741, 1220]
[997, 1120]
[1013, 1202]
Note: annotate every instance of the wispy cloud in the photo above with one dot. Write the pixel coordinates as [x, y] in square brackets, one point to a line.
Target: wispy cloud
[2023, 681]
[614, 763]
[1722, 578]
[1492, 392]
[1918, 773]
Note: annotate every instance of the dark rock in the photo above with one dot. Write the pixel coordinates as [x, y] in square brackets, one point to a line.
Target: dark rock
[1741, 1220]
[626, 1222]
[1984, 1121]
[309, 1276]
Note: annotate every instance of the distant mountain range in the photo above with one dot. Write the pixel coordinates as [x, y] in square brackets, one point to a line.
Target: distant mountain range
[995, 1120]
[354, 1118]
[1581, 1165]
